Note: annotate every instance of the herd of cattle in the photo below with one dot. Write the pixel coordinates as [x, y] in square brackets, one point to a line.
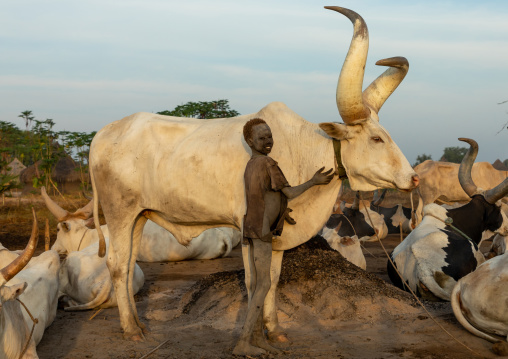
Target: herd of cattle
[437, 260]
[172, 189]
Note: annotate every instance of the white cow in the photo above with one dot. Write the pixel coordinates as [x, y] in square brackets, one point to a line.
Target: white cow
[480, 299]
[37, 287]
[186, 174]
[85, 282]
[75, 232]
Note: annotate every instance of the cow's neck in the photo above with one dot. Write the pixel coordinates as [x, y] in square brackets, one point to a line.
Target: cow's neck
[469, 218]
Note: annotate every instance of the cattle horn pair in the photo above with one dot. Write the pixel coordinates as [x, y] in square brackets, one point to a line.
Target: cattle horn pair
[354, 105]
[61, 214]
[466, 180]
[13, 268]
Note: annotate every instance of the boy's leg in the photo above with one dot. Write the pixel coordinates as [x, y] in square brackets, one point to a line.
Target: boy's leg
[262, 254]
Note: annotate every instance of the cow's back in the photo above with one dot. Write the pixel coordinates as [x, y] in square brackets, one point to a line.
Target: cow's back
[191, 170]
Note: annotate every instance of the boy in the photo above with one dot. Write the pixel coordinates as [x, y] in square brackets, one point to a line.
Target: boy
[267, 192]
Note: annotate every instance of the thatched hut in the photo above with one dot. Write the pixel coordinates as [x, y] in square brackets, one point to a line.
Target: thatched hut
[66, 175]
[15, 168]
[498, 165]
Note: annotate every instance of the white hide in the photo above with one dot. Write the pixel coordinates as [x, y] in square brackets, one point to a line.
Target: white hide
[86, 283]
[399, 219]
[421, 252]
[41, 294]
[157, 244]
[480, 299]
[379, 225]
[349, 247]
[14, 331]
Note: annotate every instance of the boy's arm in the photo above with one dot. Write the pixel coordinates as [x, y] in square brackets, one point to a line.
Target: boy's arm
[319, 178]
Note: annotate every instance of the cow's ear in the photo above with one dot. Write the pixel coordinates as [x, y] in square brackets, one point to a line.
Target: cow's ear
[89, 223]
[66, 226]
[338, 131]
[11, 292]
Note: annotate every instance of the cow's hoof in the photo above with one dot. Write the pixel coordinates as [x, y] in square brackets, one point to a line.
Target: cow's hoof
[246, 349]
[279, 337]
[135, 337]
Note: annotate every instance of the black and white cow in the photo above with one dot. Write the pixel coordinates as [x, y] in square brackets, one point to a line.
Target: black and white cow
[345, 231]
[434, 256]
[395, 217]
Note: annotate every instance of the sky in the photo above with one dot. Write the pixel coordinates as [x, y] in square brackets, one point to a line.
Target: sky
[85, 64]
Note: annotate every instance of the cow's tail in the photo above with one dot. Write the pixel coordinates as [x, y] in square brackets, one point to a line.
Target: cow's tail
[102, 240]
[456, 306]
[100, 300]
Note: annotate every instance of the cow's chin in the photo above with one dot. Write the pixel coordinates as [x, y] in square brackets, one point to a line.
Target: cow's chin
[361, 184]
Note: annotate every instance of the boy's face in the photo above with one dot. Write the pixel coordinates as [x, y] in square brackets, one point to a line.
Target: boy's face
[261, 141]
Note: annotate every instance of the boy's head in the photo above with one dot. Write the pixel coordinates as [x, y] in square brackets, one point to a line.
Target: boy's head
[258, 136]
[247, 128]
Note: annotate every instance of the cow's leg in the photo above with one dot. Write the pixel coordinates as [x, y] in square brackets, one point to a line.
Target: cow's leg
[275, 331]
[137, 234]
[120, 252]
[252, 341]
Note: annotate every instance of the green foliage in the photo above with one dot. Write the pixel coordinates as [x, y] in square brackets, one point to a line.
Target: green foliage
[506, 162]
[42, 144]
[454, 154]
[78, 145]
[422, 158]
[202, 109]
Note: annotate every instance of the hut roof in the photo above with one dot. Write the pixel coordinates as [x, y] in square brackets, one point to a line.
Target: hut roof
[498, 165]
[15, 167]
[65, 170]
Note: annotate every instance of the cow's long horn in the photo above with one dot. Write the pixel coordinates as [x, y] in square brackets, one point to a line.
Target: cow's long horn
[495, 194]
[85, 212]
[356, 202]
[349, 88]
[378, 199]
[381, 88]
[21, 261]
[54, 208]
[465, 179]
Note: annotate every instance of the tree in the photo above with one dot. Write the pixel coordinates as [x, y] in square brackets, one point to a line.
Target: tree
[454, 154]
[422, 158]
[506, 162]
[202, 109]
[28, 117]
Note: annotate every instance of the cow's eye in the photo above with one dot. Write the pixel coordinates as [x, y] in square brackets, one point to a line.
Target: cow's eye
[377, 139]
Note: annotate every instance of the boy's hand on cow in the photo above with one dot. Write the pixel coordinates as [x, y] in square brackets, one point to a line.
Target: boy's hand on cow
[321, 177]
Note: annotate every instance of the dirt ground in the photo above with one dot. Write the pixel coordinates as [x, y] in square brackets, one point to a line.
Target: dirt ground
[195, 309]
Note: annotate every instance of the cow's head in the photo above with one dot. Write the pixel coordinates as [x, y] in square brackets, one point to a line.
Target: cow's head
[494, 218]
[71, 226]
[371, 158]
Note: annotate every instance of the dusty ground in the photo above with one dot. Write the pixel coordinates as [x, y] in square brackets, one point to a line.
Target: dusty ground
[195, 309]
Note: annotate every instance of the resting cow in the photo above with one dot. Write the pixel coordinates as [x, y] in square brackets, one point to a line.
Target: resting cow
[434, 255]
[395, 217]
[158, 245]
[34, 283]
[85, 282]
[348, 246]
[186, 174]
[480, 300]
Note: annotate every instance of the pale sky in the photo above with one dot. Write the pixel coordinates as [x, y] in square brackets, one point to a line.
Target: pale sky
[85, 64]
